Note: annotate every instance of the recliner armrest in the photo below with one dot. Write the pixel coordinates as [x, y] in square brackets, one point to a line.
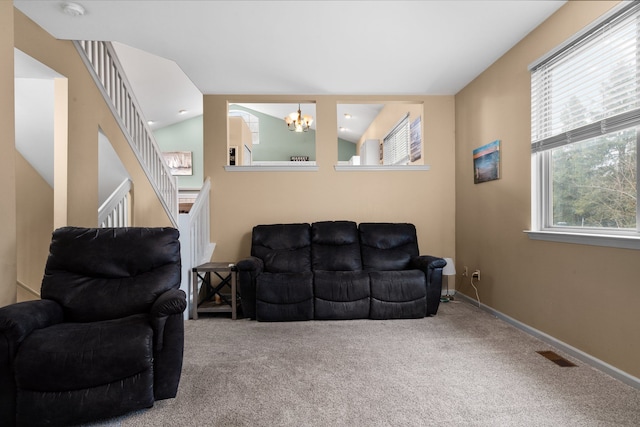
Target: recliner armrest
[425, 262]
[17, 321]
[248, 270]
[251, 264]
[171, 302]
[432, 267]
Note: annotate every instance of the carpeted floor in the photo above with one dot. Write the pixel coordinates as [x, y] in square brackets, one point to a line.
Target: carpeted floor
[462, 367]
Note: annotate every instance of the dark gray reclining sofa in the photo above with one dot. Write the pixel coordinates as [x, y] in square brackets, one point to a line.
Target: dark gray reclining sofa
[338, 270]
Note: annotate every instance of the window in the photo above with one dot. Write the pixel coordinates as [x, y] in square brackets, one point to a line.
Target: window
[395, 146]
[585, 116]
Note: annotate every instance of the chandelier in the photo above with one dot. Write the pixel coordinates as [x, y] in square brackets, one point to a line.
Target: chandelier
[297, 122]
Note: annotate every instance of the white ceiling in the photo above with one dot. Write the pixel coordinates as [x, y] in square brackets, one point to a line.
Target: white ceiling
[294, 47]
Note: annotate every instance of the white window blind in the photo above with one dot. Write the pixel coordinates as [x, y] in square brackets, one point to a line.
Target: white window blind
[589, 87]
[585, 131]
[395, 146]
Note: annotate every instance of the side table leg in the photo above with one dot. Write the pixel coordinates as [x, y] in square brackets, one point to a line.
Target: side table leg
[194, 295]
[234, 296]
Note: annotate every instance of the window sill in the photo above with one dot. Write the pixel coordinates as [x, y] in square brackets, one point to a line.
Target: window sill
[272, 168]
[622, 242]
[366, 168]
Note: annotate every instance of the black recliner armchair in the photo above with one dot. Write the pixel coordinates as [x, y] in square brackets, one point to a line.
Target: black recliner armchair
[106, 338]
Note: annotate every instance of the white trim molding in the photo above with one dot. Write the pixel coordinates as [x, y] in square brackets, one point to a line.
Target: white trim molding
[596, 363]
[613, 241]
[272, 168]
[367, 168]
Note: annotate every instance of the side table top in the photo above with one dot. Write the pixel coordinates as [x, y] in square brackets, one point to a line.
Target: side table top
[215, 266]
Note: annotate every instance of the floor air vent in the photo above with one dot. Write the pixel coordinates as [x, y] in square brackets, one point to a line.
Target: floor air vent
[556, 358]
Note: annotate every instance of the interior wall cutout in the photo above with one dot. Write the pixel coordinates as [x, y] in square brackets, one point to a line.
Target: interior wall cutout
[34, 113]
[372, 126]
[274, 142]
[41, 121]
[111, 171]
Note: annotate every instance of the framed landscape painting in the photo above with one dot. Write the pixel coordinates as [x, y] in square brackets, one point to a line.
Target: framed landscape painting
[179, 162]
[486, 162]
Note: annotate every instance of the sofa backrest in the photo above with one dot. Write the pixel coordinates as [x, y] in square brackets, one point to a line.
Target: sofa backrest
[284, 248]
[335, 246]
[387, 246]
[107, 273]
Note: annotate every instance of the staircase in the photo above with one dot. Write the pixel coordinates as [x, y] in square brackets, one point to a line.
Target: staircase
[195, 245]
[196, 248]
[114, 212]
[102, 61]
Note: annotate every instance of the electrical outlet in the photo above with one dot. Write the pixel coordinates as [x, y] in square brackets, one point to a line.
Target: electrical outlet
[465, 273]
[476, 274]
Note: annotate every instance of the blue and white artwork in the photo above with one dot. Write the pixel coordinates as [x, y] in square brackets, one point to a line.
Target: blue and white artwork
[486, 162]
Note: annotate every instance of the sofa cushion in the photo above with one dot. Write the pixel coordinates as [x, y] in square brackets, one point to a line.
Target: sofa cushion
[284, 296]
[284, 248]
[387, 246]
[341, 295]
[109, 273]
[40, 408]
[85, 354]
[398, 294]
[335, 246]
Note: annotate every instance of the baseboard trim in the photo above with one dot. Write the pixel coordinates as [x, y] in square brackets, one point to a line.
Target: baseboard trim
[598, 364]
[28, 288]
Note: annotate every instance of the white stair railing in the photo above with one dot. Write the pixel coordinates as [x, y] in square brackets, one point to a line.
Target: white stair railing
[200, 226]
[114, 212]
[196, 247]
[102, 61]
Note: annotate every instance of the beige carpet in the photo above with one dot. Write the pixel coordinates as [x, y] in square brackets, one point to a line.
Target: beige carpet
[462, 367]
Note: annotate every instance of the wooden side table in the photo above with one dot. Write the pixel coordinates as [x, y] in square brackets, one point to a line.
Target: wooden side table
[226, 272]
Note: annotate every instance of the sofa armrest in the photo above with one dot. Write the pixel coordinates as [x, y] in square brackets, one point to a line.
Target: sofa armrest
[173, 301]
[432, 267]
[248, 270]
[17, 321]
[426, 262]
[250, 264]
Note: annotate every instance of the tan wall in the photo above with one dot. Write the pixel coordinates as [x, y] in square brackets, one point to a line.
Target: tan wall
[241, 200]
[87, 112]
[239, 136]
[389, 116]
[8, 269]
[585, 296]
[34, 224]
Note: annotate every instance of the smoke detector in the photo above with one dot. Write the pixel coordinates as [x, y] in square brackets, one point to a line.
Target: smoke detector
[73, 9]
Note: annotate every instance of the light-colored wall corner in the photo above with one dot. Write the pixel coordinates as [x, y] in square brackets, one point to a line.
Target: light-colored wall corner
[26, 293]
[8, 257]
[243, 200]
[60, 152]
[346, 149]
[34, 224]
[239, 137]
[184, 136]
[585, 296]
